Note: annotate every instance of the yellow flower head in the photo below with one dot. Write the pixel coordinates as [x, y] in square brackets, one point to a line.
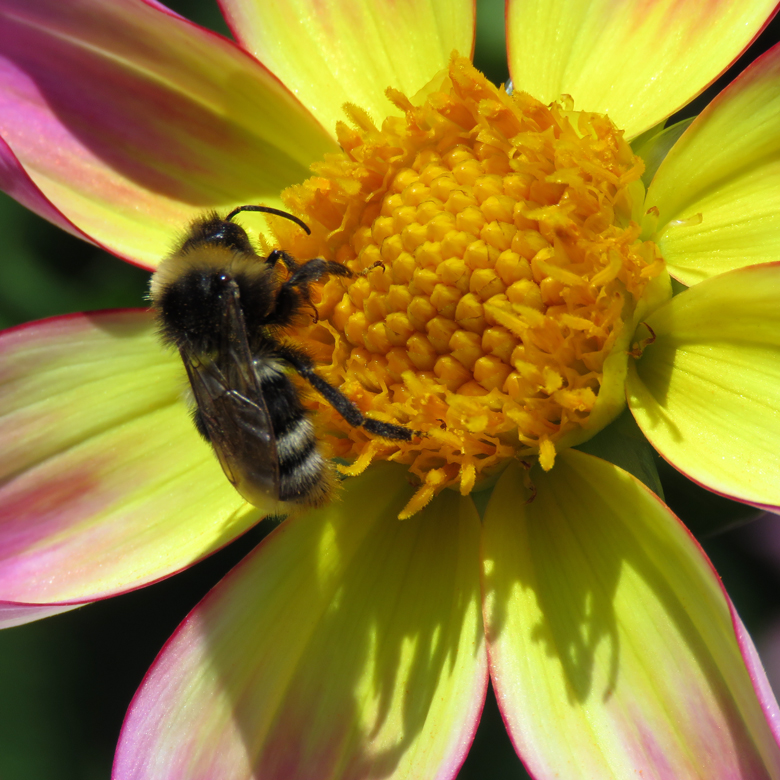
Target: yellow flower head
[508, 295]
[498, 276]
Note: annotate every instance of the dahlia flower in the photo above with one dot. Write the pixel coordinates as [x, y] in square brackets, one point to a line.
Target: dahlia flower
[511, 252]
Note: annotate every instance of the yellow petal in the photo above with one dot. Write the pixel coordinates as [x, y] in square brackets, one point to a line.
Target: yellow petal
[706, 392]
[348, 645]
[718, 190]
[636, 61]
[329, 52]
[612, 648]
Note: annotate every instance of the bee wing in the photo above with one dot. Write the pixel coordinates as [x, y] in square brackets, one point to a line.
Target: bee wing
[229, 396]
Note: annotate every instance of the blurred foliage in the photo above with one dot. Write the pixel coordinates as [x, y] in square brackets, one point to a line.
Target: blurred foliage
[67, 681]
[45, 271]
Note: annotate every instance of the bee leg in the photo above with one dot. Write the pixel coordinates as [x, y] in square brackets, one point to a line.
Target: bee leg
[313, 270]
[367, 271]
[302, 363]
[301, 276]
[279, 255]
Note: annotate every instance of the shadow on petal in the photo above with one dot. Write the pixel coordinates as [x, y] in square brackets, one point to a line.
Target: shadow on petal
[350, 644]
[606, 621]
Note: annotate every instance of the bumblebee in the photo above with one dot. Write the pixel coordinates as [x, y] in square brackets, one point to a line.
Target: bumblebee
[224, 308]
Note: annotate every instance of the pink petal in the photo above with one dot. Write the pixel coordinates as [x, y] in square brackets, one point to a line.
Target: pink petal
[105, 485]
[15, 181]
[131, 120]
[769, 648]
[766, 696]
[13, 614]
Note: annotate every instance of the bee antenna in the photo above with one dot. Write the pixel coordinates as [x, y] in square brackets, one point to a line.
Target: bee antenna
[269, 210]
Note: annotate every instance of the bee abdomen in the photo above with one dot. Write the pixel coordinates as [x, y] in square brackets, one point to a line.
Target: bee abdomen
[303, 472]
[304, 475]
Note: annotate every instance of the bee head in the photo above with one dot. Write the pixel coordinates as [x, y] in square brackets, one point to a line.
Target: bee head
[212, 230]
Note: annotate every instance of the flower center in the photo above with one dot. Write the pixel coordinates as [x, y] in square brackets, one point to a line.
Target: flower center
[498, 279]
